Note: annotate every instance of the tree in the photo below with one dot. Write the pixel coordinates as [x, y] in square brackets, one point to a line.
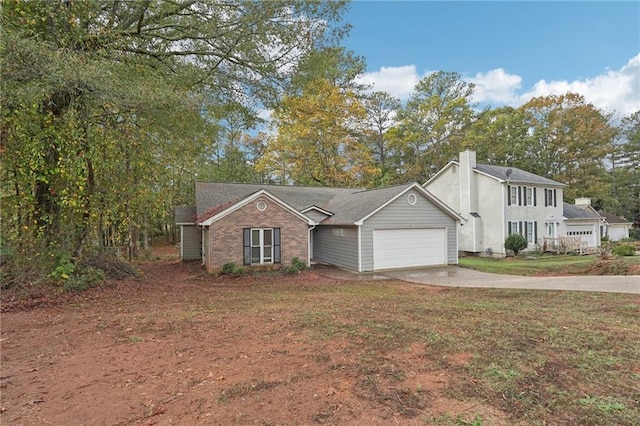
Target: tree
[569, 141]
[626, 174]
[433, 123]
[381, 109]
[499, 136]
[317, 139]
[104, 105]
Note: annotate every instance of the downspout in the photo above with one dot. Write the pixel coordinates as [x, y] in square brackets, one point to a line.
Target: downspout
[309, 245]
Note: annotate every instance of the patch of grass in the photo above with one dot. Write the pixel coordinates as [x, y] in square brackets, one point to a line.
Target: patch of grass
[548, 264]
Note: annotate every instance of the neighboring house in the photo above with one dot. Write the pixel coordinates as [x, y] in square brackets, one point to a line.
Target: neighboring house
[360, 230]
[582, 222]
[496, 201]
[614, 227]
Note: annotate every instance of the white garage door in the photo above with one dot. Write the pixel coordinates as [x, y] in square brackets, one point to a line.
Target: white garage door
[406, 248]
[585, 232]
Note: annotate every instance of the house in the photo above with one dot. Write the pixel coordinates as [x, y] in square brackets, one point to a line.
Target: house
[583, 222]
[614, 227]
[360, 230]
[496, 201]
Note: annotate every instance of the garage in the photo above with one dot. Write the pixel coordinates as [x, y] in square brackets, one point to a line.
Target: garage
[407, 248]
[584, 232]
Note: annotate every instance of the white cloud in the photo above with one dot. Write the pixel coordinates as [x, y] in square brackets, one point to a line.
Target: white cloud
[396, 81]
[612, 91]
[496, 86]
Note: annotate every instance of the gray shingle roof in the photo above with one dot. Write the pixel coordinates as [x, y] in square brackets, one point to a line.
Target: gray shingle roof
[571, 211]
[348, 205]
[211, 194]
[184, 214]
[612, 218]
[517, 175]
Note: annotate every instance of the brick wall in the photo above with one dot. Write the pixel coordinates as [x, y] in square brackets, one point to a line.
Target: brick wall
[225, 236]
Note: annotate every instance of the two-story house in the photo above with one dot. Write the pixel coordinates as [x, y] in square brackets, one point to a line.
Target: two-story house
[497, 201]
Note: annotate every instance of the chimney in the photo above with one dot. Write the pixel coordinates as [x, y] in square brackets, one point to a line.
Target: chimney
[468, 201]
[583, 201]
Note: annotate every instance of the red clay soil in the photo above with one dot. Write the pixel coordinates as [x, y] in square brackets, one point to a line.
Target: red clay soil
[137, 352]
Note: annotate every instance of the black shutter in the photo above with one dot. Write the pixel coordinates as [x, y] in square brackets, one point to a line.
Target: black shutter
[526, 231]
[520, 227]
[519, 195]
[524, 192]
[555, 203]
[508, 195]
[535, 202]
[546, 197]
[246, 244]
[535, 232]
[277, 258]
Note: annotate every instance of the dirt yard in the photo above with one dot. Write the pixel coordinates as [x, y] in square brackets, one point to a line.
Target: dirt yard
[176, 346]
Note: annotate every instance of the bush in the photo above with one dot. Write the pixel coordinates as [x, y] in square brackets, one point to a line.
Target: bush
[230, 268]
[624, 250]
[296, 266]
[634, 233]
[516, 243]
[84, 279]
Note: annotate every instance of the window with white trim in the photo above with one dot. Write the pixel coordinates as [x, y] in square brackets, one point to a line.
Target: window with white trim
[551, 230]
[529, 197]
[261, 246]
[513, 228]
[530, 235]
[514, 195]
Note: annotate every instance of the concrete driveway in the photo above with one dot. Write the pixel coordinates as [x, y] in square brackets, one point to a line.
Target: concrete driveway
[454, 276]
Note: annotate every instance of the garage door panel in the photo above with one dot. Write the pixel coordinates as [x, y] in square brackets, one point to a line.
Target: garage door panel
[405, 248]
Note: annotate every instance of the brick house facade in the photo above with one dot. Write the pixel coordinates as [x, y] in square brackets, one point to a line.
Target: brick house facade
[226, 240]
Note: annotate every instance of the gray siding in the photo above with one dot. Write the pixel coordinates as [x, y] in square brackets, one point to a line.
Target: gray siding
[191, 242]
[337, 245]
[400, 214]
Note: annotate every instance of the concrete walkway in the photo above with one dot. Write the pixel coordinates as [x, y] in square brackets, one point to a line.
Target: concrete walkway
[454, 276]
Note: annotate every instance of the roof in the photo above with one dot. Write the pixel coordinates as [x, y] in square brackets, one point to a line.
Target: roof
[212, 194]
[571, 211]
[184, 214]
[611, 219]
[516, 175]
[347, 205]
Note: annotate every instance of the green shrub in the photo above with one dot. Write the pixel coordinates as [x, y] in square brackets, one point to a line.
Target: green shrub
[296, 266]
[516, 243]
[624, 250]
[230, 268]
[634, 234]
[84, 279]
[64, 269]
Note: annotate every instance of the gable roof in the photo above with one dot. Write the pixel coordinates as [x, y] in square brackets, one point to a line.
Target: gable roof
[222, 210]
[611, 219]
[343, 206]
[517, 175]
[500, 174]
[211, 194]
[571, 211]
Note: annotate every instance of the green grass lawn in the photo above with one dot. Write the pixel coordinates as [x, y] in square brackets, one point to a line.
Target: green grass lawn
[550, 264]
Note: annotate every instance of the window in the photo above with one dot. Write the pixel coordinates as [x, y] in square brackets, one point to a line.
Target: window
[529, 199]
[550, 197]
[530, 234]
[513, 228]
[514, 195]
[551, 230]
[261, 245]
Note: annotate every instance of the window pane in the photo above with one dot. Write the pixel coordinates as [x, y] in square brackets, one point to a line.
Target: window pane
[267, 253]
[255, 254]
[267, 237]
[255, 237]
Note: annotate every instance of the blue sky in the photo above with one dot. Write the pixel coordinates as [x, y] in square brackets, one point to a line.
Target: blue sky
[511, 50]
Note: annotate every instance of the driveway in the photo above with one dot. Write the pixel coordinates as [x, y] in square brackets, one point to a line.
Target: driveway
[454, 276]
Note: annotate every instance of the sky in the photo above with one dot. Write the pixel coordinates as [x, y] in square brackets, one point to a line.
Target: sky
[512, 51]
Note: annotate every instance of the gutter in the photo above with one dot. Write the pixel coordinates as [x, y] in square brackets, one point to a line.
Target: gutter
[309, 245]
